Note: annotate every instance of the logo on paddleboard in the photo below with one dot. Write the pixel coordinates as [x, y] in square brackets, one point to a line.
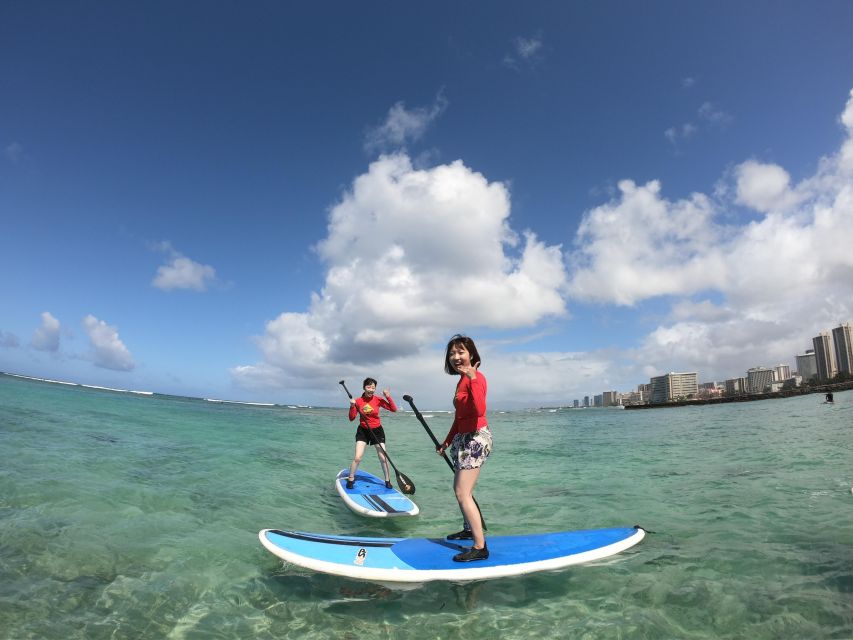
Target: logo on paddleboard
[360, 556]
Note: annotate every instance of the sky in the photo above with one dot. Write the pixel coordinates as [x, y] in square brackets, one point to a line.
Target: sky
[252, 201]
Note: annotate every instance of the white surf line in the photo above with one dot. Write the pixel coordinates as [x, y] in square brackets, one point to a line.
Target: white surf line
[18, 375]
[100, 388]
[254, 404]
[79, 384]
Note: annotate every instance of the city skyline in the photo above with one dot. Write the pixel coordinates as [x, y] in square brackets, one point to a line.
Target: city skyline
[841, 339]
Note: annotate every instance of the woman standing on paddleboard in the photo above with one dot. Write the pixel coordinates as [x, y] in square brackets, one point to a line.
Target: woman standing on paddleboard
[469, 439]
[370, 429]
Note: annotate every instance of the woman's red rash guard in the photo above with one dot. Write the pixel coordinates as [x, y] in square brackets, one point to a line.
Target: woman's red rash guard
[470, 403]
[370, 417]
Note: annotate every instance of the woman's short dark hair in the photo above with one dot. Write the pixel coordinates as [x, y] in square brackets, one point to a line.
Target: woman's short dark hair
[466, 342]
[368, 381]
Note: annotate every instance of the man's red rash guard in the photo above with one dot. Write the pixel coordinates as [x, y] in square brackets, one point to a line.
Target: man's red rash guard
[470, 403]
[370, 410]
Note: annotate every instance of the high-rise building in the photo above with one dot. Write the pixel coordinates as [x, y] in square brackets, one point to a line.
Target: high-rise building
[576, 404]
[807, 365]
[841, 336]
[783, 372]
[824, 352]
[673, 386]
[610, 398]
[586, 401]
[758, 379]
[735, 386]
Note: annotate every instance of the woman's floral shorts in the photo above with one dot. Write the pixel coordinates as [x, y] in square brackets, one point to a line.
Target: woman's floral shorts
[470, 450]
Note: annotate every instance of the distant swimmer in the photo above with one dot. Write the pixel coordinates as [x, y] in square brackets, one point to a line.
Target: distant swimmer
[829, 397]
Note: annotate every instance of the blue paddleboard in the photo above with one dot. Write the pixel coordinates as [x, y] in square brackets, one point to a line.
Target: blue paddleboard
[370, 497]
[427, 559]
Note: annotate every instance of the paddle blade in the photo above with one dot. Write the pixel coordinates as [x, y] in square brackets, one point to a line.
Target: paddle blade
[406, 486]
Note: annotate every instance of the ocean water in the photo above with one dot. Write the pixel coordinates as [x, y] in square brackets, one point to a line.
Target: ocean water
[126, 516]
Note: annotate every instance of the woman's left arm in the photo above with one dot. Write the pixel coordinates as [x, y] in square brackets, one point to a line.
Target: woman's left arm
[388, 402]
[478, 394]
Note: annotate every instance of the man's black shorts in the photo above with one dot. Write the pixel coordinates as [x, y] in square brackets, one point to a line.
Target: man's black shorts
[363, 434]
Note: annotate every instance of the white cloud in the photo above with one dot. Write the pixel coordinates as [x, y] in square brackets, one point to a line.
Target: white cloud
[678, 134]
[763, 187]
[714, 115]
[846, 155]
[704, 310]
[688, 82]
[403, 126]
[182, 273]
[782, 277]
[412, 257]
[46, 337]
[524, 50]
[107, 350]
[642, 246]
[708, 114]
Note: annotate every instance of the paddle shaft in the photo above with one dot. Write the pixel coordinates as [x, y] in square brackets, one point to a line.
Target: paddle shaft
[402, 479]
[418, 415]
[429, 431]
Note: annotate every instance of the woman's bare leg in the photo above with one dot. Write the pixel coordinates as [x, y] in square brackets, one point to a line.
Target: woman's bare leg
[463, 485]
[359, 454]
[380, 451]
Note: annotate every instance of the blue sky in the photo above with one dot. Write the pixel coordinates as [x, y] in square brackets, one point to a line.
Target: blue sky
[253, 201]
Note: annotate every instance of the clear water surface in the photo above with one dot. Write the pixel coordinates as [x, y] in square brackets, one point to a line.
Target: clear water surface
[125, 516]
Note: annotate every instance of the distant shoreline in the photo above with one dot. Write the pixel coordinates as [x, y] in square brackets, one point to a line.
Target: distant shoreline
[787, 393]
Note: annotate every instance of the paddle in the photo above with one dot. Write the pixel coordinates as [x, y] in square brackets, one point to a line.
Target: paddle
[405, 484]
[411, 402]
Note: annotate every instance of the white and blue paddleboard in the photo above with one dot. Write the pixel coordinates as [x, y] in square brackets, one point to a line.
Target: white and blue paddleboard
[413, 560]
[370, 497]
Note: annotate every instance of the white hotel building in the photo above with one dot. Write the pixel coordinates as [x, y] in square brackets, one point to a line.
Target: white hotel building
[673, 386]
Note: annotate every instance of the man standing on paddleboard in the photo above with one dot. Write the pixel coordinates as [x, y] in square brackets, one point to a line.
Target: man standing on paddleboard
[370, 431]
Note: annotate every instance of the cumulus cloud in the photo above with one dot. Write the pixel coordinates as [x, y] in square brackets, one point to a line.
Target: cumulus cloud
[46, 337]
[413, 256]
[107, 350]
[764, 187]
[642, 245]
[182, 273]
[403, 126]
[781, 277]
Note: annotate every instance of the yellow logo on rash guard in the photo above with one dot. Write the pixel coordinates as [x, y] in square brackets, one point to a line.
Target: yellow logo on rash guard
[367, 408]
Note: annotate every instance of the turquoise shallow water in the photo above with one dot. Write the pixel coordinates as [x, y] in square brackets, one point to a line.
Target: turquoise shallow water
[124, 516]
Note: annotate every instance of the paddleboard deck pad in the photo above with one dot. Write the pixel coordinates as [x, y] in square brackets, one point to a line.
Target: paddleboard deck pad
[370, 497]
[417, 560]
